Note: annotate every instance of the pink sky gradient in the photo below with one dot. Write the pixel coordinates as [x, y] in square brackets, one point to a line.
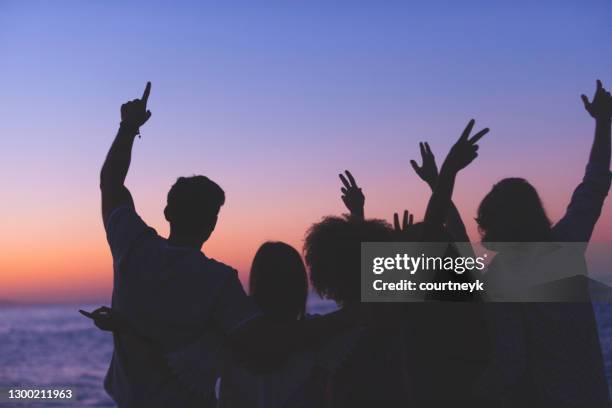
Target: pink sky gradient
[272, 104]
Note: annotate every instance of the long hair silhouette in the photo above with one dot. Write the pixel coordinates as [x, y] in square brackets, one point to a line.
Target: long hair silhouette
[278, 281]
[513, 212]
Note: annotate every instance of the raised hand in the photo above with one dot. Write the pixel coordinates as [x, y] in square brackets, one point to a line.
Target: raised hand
[134, 114]
[465, 149]
[407, 222]
[601, 106]
[352, 196]
[428, 171]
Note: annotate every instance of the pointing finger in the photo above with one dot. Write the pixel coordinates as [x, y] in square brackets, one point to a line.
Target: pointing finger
[147, 91]
[422, 148]
[396, 223]
[405, 220]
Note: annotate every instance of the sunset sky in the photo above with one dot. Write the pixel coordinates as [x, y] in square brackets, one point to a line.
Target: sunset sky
[272, 100]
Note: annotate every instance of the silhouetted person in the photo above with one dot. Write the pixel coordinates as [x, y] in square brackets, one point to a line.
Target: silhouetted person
[167, 289]
[546, 354]
[452, 231]
[278, 281]
[445, 349]
[413, 350]
[513, 212]
[278, 284]
[168, 292]
[372, 372]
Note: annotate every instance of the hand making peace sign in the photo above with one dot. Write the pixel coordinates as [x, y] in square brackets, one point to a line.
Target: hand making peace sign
[465, 149]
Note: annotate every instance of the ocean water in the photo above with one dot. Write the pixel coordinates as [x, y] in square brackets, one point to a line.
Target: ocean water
[54, 346]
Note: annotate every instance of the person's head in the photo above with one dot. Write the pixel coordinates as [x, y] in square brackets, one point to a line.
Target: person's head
[192, 208]
[513, 212]
[333, 253]
[278, 281]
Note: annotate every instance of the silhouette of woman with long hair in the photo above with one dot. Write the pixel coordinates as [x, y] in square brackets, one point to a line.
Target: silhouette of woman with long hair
[278, 284]
[545, 354]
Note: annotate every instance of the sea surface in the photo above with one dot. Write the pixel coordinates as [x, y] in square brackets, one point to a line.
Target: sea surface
[54, 346]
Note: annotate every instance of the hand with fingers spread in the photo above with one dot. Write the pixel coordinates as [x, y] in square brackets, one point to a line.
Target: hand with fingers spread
[134, 114]
[352, 196]
[407, 222]
[428, 171]
[460, 155]
[601, 106]
[464, 151]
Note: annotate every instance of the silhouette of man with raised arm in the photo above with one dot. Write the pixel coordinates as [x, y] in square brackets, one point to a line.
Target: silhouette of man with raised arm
[172, 299]
[167, 289]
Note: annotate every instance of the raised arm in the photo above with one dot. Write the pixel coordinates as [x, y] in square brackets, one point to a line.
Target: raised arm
[428, 172]
[352, 196]
[460, 155]
[601, 110]
[114, 171]
[587, 200]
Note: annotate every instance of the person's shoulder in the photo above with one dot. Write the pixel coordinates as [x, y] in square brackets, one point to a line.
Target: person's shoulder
[126, 216]
[125, 231]
[120, 213]
[195, 261]
[219, 268]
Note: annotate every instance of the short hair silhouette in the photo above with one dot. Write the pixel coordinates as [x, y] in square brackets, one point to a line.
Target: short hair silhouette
[513, 212]
[193, 205]
[333, 253]
[278, 281]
